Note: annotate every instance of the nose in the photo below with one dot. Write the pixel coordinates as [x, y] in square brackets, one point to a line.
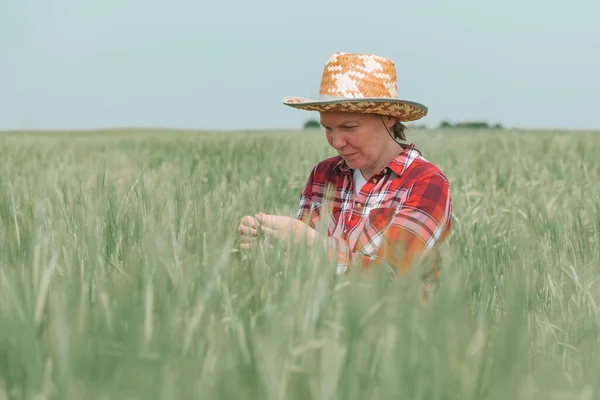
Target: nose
[338, 141]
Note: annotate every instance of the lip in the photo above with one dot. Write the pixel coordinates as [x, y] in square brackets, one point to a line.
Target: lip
[348, 155]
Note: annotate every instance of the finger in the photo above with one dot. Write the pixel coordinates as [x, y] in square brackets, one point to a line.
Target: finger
[249, 221]
[248, 239]
[263, 219]
[270, 221]
[271, 233]
[245, 246]
[247, 231]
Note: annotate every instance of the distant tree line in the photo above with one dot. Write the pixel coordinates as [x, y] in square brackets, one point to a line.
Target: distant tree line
[471, 125]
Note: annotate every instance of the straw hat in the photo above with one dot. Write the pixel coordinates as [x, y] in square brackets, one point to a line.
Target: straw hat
[363, 83]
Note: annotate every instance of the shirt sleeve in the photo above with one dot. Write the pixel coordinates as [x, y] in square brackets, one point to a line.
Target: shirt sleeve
[337, 248]
[304, 208]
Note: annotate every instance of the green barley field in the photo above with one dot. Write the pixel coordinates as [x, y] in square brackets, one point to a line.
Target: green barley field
[120, 276]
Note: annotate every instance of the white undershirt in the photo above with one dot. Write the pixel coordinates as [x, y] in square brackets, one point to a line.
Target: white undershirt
[359, 181]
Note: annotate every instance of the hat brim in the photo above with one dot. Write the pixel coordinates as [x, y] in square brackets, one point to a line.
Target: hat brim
[403, 110]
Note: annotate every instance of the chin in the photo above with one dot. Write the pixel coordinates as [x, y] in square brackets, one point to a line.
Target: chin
[354, 164]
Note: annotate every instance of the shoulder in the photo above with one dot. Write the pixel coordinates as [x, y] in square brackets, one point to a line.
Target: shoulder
[429, 188]
[421, 169]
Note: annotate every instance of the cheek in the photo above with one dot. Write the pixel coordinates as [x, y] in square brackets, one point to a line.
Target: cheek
[362, 143]
[329, 139]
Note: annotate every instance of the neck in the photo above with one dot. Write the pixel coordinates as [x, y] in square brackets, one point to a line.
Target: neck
[392, 150]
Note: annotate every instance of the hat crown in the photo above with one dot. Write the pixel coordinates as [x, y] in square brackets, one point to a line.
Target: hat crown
[359, 76]
[360, 83]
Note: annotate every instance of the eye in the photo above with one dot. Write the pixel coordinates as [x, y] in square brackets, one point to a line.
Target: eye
[349, 128]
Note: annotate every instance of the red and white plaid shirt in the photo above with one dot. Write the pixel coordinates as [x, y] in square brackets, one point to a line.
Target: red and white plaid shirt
[399, 215]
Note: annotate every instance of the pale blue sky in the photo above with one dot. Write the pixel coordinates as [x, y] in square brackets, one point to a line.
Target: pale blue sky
[191, 64]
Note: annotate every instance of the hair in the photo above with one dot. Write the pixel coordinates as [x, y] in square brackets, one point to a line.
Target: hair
[398, 129]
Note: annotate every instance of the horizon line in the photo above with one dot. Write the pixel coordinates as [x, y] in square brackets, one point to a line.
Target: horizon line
[409, 125]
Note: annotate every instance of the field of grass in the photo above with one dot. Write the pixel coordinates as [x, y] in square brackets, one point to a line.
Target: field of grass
[120, 278]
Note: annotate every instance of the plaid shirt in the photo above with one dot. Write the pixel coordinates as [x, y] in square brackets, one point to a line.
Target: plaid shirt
[399, 215]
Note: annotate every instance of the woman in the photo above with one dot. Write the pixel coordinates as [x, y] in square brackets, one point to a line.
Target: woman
[390, 206]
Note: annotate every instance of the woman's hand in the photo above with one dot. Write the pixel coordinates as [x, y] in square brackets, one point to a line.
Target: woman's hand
[286, 228]
[274, 227]
[248, 232]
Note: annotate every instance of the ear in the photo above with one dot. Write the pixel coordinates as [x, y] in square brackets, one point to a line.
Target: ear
[389, 121]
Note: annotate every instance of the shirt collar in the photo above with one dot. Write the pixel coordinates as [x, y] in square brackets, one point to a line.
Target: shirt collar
[398, 165]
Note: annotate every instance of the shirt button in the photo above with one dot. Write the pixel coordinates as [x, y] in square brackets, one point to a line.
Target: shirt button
[374, 180]
[358, 205]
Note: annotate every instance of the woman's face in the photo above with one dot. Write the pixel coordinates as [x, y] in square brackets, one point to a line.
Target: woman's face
[361, 139]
